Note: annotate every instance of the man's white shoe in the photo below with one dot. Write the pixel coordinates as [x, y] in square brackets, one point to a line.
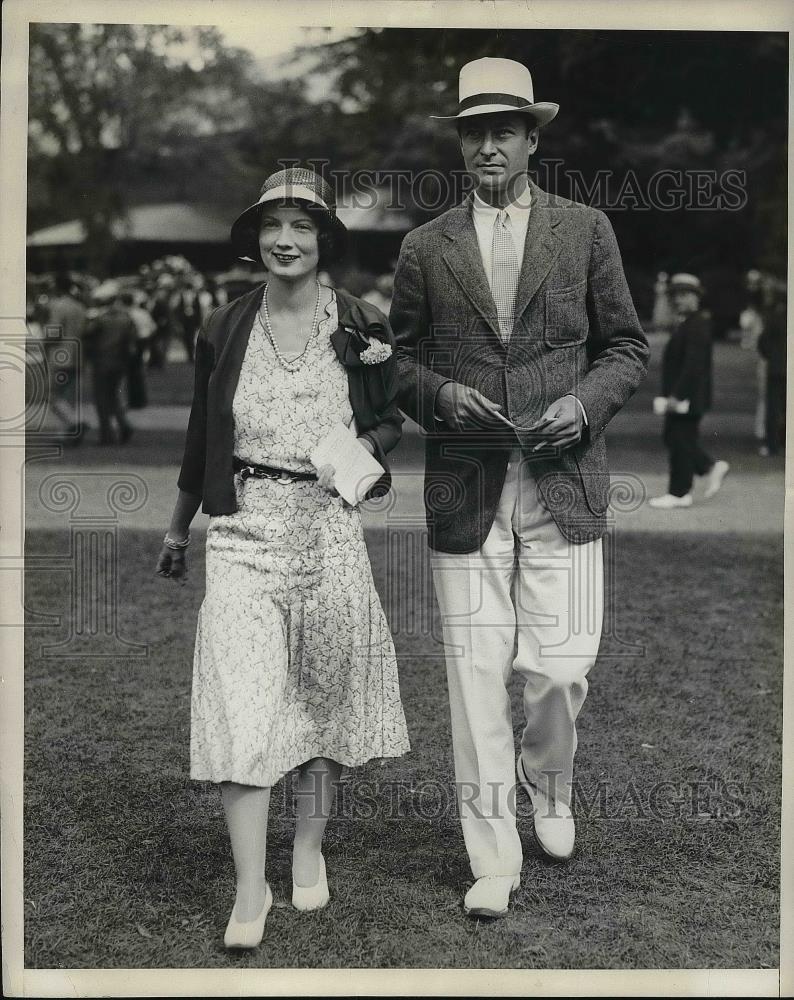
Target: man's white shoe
[670, 502]
[490, 895]
[715, 477]
[555, 830]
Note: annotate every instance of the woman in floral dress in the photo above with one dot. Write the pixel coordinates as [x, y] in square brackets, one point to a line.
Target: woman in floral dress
[294, 665]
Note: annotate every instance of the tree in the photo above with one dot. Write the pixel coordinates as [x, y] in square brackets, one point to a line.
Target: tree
[631, 101]
[107, 103]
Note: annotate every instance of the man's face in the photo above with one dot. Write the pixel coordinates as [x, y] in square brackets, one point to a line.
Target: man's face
[496, 148]
[685, 301]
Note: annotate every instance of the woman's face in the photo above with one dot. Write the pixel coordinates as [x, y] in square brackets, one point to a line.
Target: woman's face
[288, 242]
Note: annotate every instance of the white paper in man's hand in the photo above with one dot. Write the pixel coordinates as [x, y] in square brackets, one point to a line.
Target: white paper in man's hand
[356, 471]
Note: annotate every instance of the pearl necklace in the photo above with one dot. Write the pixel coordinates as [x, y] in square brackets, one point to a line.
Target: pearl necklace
[266, 317]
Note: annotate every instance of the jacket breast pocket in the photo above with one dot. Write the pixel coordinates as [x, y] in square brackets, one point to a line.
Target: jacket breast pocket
[566, 316]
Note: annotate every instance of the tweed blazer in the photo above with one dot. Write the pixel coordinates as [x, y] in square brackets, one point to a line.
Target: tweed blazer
[207, 466]
[576, 332]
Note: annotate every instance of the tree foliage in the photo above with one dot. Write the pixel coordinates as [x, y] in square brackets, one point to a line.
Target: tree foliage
[633, 103]
[119, 112]
[108, 106]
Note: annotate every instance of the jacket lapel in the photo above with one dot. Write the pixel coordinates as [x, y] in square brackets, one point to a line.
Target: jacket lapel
[357, 321]
[230, 361]
[462, 256]
[541, 249]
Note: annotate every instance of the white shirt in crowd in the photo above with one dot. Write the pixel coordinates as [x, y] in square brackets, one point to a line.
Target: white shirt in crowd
[144, 324]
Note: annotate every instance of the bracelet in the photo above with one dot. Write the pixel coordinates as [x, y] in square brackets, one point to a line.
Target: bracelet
[173, 544]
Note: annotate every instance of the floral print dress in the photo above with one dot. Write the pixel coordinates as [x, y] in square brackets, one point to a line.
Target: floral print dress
[293, 657]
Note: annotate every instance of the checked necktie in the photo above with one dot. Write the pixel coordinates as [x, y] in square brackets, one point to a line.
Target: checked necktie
[505, 271]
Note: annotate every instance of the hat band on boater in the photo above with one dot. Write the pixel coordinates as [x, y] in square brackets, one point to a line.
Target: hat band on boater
[511, 99]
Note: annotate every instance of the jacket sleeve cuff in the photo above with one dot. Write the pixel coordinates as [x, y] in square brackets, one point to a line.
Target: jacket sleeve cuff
[378, 453]
[190, 484]
[581, 407]
[438, 419]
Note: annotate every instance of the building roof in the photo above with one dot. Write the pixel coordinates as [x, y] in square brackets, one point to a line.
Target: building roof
[373, 211]
[165, 223]
[186, 222]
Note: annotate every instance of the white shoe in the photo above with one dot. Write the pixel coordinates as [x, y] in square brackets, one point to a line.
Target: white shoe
[670, 502]
[555, 830]
[312, 897]
[715, 477]
[248, 933]
[490, 895]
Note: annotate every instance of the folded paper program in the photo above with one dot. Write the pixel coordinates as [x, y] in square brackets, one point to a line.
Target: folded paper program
[355, 470]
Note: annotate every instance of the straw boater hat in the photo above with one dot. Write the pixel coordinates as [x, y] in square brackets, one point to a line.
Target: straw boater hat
[489, 85]
[686, 282]
[293, 184]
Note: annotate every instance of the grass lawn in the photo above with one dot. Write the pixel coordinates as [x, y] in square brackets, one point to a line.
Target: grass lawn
[678, 800]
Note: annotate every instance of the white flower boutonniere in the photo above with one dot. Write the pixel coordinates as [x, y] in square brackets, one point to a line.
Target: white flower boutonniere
[376, 353]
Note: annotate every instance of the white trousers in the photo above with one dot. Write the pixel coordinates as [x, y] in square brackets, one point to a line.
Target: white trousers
[529, 601]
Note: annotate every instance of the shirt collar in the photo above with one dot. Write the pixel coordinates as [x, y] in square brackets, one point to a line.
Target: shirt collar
[514, 209]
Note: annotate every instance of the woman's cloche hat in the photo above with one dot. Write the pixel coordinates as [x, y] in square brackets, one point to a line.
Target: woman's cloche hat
[291, 184]
[489, 85]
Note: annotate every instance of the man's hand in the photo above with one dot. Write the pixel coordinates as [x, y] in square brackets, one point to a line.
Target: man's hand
[560, 426]
[463, 408]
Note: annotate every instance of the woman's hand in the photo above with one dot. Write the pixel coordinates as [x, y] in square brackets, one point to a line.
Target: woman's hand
[171, 563]
[326, 473]
[325, 477]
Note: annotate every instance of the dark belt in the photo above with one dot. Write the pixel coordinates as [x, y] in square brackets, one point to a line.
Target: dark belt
[248, 470]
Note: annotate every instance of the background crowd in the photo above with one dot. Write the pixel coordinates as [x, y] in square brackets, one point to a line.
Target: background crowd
[119, 327]
[693, 181]
[148, 320]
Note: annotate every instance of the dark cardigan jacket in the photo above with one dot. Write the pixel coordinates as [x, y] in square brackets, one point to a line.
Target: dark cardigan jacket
[207, 467]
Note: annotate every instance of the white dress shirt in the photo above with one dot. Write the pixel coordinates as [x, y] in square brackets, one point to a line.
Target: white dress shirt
[484, 216]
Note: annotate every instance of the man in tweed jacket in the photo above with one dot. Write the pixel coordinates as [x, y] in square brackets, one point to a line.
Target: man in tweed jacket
[517, 343]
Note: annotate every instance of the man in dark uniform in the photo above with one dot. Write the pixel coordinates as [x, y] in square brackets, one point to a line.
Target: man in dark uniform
[112, 338]
[686, 384]
[187, 316]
